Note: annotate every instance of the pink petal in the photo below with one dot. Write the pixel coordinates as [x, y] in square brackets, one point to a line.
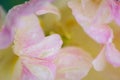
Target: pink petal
[32, 7]
[99, 62]
[46, 48]
[6, 37]
[72, 64]
[48, 8]
[5, 34]
[100, 33]
[29, 33]
[113, 55]
[114, 6]
[34, 69]
[27, 75]
[28, 8]
[78, 13]
[92, 23]
[42, 70]
[99, 12]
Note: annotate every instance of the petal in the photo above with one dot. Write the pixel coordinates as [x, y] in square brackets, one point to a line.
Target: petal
[46, 48]
[27, 75]
[98, 12]
[6, 37]
[48, 8]
[5, 34]
[28, 33]
[32, 7]
[99, 62]
[113, 55]
[100, 33]
[72, 64]
[103, 15]
[17, 70]
[43, 70]
[114, 6]
[22, 73]
[79, 13]
[92, 22]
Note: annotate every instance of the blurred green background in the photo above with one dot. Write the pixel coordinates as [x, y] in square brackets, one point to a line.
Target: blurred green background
[8, 4]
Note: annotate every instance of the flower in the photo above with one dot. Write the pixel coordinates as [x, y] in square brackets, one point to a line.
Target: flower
[99, 30]
[87, 27]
